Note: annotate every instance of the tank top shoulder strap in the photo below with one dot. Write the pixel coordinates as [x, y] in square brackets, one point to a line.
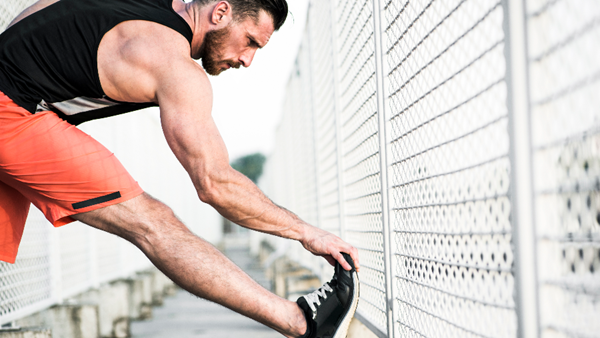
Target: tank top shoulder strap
[175, 21]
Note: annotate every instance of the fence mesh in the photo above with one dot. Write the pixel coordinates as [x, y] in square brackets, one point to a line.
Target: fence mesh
[449, 170]
[359, 148]
[27, 283]
[326, 143]
[447, 162]
[564, 84]
[301, 133]
[440, 68]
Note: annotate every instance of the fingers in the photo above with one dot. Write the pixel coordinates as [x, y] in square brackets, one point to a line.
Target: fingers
[352, 252]
[331, 247]
[340, 258]
[330, 260]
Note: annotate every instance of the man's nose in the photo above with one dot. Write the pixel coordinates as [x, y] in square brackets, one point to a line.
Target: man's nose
[247, 57]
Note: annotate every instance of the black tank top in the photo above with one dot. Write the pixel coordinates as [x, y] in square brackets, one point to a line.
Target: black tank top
[48, 61]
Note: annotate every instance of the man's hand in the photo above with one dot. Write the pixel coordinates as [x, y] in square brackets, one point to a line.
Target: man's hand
[322, 243]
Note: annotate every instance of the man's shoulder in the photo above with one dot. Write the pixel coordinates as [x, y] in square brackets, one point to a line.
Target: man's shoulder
[152, 35]
[136, 57]
[148, 43]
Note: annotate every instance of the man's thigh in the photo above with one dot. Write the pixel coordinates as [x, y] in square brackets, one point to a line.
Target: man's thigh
[60, 169]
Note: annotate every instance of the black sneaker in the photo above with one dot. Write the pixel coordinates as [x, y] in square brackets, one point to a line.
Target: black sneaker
[329, 309]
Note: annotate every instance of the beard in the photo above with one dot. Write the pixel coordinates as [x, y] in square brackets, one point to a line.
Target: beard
[210, 51]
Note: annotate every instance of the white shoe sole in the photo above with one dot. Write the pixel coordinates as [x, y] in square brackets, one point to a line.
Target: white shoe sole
[342, 330]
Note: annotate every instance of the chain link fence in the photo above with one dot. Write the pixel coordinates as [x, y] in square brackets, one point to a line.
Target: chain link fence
[420, 114]
[401, 132]
[564, 71]
[55, 264]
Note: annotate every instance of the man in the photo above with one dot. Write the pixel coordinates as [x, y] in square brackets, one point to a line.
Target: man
[66, 62]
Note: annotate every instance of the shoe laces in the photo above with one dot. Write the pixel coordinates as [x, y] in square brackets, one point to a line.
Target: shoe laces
[314, 299]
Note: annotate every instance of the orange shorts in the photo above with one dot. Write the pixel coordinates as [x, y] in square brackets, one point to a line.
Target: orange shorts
[57, 167]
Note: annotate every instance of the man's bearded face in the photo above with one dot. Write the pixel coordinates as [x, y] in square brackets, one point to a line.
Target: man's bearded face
[212, 51]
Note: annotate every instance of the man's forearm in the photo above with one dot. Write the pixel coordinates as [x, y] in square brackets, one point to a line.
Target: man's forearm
[238, 199]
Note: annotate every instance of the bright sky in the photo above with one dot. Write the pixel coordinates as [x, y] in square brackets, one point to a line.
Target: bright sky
[248, 102]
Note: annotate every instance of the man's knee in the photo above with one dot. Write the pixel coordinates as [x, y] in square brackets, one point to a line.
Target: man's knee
[151, 209]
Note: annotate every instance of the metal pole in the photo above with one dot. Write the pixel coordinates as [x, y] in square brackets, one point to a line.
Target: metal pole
[315, 126]
[313, 115]
[383, 151]
[521, 192]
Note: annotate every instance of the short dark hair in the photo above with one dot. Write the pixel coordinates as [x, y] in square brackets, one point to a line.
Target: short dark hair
[242, 9]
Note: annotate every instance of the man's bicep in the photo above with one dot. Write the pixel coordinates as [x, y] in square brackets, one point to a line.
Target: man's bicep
[196, 143]
[189, 127]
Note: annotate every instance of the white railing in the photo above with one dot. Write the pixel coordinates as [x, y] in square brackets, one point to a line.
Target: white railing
[457, 145]
[55, 264]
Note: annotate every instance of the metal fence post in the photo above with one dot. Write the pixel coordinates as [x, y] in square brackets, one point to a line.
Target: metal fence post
[314, 121]
[521, 191]
[383, 151]
[338, 124]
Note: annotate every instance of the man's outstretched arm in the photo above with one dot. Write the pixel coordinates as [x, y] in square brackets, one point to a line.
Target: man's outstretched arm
[193, 136]
[149, 62]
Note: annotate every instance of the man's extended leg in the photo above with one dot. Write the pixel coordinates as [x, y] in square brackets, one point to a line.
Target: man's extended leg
[193, 263]
[66, 174]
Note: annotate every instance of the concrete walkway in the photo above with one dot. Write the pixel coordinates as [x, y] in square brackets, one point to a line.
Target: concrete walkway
[186, 316]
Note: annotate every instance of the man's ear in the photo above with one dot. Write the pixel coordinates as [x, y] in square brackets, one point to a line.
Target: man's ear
[221, 14]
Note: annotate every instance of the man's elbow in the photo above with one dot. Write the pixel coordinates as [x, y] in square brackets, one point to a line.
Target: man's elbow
[206, 191]
[211, 190]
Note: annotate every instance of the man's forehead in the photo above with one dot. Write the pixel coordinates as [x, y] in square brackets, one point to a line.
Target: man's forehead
[259, 30]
